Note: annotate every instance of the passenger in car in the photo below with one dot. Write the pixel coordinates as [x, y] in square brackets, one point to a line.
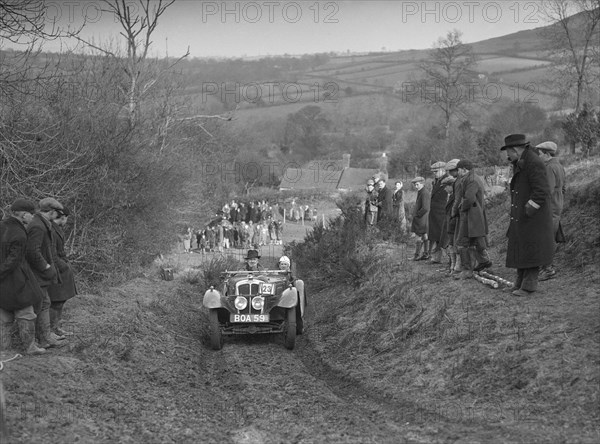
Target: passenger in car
[285, 264]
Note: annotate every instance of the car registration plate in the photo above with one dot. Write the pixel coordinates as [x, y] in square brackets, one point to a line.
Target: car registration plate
[248, 317]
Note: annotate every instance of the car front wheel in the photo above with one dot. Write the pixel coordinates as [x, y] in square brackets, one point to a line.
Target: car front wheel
[216, 337]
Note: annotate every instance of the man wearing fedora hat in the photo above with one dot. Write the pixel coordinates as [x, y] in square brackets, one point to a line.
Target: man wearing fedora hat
[557, 181]
[252, 261]
[530, 233]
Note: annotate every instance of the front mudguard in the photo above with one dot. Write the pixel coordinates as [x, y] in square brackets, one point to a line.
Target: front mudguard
[289, 298]
[212, 299]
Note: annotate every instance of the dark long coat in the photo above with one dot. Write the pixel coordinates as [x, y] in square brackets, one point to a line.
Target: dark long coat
[384, 204]
[530, 238]
[420, 218]
[473, 217]
[41, 251]
[66, 289]
[437, 209]
[449, 225]
[18, 285]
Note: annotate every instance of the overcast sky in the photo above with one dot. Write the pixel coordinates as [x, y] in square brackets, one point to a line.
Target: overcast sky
[247, 28]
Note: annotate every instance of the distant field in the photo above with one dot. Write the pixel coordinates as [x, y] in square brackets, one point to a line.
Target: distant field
[501, 64]
[539, 76]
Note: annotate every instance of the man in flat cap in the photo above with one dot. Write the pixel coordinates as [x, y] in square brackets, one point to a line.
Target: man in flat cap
[548, 152]
[20, 294]
[530, 232]
[420, 218]
[437, 212]
[472, 222]
[43, 258]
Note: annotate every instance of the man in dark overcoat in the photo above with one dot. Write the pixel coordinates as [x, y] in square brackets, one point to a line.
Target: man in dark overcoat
[530, 231]
[60, 293]
[437, 212]
[420, 218]
[42, 257]
[20, 294]
[472, 222]
[384, 202]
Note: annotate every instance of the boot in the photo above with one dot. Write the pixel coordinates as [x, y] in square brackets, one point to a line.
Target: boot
[436, 257]
[425, 251]
[452, 263]
[5, 335]
[43, 331]
[466, 269]
[418, 244]
[458, 263]
[55, 317]
[27, 334]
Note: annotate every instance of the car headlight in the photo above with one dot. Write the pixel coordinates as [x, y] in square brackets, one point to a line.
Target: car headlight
[240, 302]
[258, 302]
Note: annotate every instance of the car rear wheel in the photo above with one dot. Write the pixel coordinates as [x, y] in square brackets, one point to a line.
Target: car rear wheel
[216, 337]
[289, 338]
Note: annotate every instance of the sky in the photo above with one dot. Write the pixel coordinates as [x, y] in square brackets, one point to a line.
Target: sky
[260, 28]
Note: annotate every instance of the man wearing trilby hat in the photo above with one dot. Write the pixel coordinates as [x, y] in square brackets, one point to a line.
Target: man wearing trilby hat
[530, 233]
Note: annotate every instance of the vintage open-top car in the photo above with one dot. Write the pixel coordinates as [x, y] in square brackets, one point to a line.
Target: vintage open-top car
[252, 302]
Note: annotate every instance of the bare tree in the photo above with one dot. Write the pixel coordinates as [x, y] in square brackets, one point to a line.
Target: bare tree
[447, 71]
[573, 41]
[24, 24]
[137, 30]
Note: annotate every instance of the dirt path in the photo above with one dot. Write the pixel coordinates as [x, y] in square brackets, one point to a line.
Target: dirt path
[139, 369]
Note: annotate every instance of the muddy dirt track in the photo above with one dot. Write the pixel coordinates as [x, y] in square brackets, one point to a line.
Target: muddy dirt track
[139, 369]
[142, 371]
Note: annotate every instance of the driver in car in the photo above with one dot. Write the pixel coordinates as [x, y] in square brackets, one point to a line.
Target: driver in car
[285, 265]
[252, 263]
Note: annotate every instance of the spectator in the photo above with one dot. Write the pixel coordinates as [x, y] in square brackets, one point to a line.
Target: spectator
[398, 206]
[384, 202]
[60, 293]
[472, 222]
[449, 225]
[42, 257]
[371, 204]
[557, 181]
[20, 294]
[437, 212]
[420, 218]
[530, 232]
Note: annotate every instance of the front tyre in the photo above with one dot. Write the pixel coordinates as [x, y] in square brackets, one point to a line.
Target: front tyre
[216, 337]
[289, 338]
